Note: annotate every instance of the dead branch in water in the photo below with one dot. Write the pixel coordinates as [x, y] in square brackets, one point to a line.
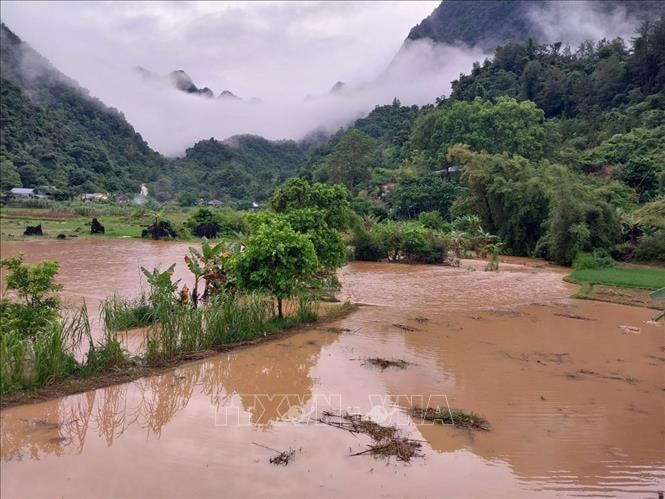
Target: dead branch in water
[282, 457]
[387, 441]
[405, 328]
[402, 448]
[573, 316]
[354, 424]
[384, 364]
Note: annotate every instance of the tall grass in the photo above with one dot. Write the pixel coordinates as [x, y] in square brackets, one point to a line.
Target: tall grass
[53, 355]
[120, 314]
[224, 319]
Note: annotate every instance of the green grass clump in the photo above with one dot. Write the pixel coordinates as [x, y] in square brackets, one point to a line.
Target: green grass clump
[120, 314]
[456, 417]
[620, 277]
[223, 320]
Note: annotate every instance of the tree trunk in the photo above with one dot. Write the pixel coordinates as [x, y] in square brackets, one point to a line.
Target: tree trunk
[279, 308]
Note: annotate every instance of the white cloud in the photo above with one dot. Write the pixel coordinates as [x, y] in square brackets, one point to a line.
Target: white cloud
[280, 52]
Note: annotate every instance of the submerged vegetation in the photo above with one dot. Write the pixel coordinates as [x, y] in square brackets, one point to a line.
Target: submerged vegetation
[456, 417]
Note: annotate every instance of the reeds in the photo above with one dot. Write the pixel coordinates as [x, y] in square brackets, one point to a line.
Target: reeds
[224, 319]
[120, 314]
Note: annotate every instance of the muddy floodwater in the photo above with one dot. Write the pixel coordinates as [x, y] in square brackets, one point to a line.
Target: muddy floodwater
[574, 392]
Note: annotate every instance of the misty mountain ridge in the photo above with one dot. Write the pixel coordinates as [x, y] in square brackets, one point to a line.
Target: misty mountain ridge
[180, 80]
[54, 133]
[489, 23]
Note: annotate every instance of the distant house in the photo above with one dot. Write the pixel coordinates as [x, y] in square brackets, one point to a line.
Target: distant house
[255, 205]
[448, 172]
[94, 196]
[22, 192]
[215, 202]
[122, 199]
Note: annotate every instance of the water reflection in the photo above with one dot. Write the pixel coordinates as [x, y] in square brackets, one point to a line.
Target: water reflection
[148, 405]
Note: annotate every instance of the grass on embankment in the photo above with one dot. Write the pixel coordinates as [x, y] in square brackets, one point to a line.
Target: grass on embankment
[620, 277]
[168, 347]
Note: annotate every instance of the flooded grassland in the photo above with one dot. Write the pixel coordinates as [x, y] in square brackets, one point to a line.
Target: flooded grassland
[574, 392]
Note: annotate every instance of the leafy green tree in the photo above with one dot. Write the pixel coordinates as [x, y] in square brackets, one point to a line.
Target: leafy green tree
[351, 161]
[414, 196]
[328, 244]
[277, 260]
[509, 195]
[36, 290]
[504, 126]
[9, 176]
[578, 223]
[318, 211]
[431, 220]
[333, 201]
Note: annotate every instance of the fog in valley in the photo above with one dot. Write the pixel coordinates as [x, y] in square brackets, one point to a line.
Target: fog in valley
[282, 59]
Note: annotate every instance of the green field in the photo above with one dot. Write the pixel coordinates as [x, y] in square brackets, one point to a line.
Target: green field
[14, 221]
[621, 277]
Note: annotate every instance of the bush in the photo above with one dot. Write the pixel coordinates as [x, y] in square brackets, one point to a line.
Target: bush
[367, 245]
[651, 248]
[36, 290]
[205, 222]
[598, 259]
[431, 220]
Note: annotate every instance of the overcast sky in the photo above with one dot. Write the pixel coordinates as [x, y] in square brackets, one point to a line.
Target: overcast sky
[277, 51]
[288, 54]
[262, 49]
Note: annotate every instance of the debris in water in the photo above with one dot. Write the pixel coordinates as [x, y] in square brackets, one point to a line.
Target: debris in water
[354, 423]
[616, 377]
[335, 329]
[421, 320]
[455, 417]
[630, 329]
[405, 328]
[282, 457]
[387, 442]
[402, 448]
[386, 363]
[573, 316]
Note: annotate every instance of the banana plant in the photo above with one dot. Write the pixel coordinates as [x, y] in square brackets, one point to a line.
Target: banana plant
[160, 282]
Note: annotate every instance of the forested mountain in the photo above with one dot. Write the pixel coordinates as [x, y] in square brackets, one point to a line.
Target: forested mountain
[54, 133]
[488, 23]
[556, 151]
[241, 168]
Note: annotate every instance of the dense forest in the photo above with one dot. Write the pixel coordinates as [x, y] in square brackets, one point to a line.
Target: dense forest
[555, 150]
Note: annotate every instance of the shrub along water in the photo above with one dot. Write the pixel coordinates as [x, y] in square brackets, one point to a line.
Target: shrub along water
[429, 240]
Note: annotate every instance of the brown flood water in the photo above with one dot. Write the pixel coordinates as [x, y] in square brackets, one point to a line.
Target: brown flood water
[576, 404]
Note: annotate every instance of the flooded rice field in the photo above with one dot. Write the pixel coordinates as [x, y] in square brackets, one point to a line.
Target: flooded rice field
[574, 392]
